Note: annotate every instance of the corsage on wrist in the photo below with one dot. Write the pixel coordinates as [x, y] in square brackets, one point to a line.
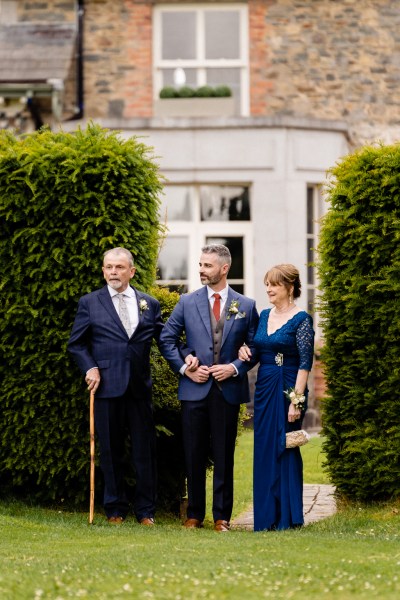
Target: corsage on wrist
[295, 398]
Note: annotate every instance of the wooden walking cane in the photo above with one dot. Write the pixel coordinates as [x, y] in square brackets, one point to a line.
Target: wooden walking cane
[91, 413]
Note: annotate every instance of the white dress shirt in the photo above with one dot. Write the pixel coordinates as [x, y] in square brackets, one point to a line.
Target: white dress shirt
[131, 303]
[224, 296]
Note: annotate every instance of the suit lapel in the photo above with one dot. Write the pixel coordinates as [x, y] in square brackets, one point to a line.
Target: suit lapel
[228, 322]
[204, 308]
[138, 296]
[106, 301]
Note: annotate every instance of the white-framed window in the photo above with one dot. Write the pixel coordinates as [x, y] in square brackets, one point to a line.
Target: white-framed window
[200, 214]
[207, 43]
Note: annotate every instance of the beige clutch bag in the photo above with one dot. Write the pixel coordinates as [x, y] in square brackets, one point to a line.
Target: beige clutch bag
[297, 438]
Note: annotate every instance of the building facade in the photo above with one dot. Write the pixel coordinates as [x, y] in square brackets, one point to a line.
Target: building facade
[310, 80]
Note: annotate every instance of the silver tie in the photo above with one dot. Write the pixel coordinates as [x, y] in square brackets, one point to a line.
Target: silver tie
[124, 314]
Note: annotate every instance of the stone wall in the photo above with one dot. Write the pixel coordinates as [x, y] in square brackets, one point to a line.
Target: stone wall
[50, 11]
[328, 59]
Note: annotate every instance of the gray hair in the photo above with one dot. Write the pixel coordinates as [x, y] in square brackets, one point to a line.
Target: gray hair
[220, 250]
[120, 250]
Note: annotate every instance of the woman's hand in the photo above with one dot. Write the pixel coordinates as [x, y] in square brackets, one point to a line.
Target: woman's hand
[294, 413]
[192, 362]
[244, 353]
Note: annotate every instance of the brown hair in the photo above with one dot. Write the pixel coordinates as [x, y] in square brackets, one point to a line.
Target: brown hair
[287, 275]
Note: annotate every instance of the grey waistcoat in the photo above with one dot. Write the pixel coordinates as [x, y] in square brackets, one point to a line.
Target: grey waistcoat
[217, 329]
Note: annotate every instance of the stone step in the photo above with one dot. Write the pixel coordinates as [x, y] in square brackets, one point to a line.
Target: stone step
[318, 503]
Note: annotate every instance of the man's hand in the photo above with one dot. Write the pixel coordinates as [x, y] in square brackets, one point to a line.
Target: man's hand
[93, 379]
[201, 374]
[221, 372]
[192, 362]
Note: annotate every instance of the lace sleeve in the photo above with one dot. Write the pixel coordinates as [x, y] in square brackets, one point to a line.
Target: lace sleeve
[305, 343]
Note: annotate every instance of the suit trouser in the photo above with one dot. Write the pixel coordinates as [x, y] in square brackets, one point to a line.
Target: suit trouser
[209, 421]
[114, 417]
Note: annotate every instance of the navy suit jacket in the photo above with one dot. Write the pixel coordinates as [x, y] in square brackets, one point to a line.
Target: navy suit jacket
[192, 316]
[98, 339]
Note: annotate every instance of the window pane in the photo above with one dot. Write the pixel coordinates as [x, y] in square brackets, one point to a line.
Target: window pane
[222, 34]
[311, 301]
[173, 258]
[224, 203]
[310, 210]
[178, 35]
[310, 262]
[168, 77]
[235, 245]
[176, 204]
[229, 77]
[238, 287]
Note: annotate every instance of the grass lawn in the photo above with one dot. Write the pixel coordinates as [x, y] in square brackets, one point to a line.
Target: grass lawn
[47, 554]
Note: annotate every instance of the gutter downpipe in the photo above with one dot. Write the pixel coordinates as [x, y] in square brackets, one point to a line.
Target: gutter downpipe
[79, 109]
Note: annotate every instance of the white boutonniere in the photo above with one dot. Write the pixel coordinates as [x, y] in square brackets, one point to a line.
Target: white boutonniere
[295, 398]
[143, 305]
[233, 310]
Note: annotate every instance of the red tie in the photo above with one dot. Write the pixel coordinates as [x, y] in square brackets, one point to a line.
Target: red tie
[217, 306]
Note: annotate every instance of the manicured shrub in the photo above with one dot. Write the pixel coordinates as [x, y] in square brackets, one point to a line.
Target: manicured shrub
[360, 278]
[168, 92]
[170, 461]
[185, 92]
[222, 91]
[64, 200]
[205, 91]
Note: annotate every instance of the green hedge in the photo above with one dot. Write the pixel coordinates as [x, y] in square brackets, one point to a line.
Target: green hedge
[360, 278]
[65, 199]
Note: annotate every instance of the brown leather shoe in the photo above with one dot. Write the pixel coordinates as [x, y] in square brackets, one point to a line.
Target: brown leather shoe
[148, 521]
[193, 524]
[222, 525]
[115, 520]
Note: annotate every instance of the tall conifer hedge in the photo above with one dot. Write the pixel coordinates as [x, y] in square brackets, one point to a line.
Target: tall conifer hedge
[64, 200]
[360, 278]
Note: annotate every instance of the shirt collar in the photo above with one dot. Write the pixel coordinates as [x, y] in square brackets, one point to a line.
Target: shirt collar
[128, 292]
[223, 293]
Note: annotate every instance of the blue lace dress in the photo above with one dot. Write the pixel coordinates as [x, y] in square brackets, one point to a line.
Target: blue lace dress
[278, 472]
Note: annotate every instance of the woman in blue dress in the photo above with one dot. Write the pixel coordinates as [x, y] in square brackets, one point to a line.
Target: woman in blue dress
[285, 347]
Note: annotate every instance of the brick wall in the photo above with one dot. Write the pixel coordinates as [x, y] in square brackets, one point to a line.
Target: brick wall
[322, 59]
[118, 58]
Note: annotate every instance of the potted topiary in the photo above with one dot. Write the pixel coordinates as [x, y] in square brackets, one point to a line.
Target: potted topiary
[205, 101]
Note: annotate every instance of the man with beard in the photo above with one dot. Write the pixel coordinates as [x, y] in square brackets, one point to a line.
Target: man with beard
[110, 341]
[217, 321]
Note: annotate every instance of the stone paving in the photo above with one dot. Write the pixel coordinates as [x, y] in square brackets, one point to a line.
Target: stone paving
[318, 503]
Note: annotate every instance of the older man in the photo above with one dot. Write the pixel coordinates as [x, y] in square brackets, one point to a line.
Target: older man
[110, 341]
